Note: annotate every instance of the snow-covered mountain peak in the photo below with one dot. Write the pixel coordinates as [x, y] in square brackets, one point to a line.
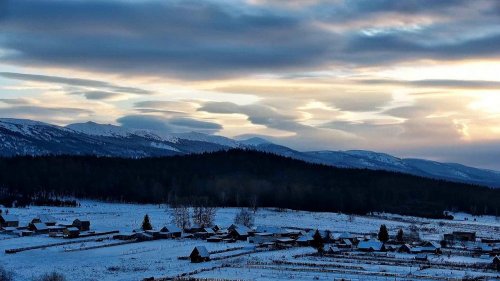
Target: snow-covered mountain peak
[255, 141]
[96, 129]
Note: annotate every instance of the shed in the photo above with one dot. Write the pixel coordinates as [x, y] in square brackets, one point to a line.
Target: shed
[371, 246]
[9, 220]
[71, 232]
[82, 225]
[199, 254]
[304, 240]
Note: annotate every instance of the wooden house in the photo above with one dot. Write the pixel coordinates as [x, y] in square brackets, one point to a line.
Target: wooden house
[405, 248]
[495, 264]
[9, 220]
[421, 257]
[46, 219]
[199, 254]
[460, 236]
[238, 233]
[82, 225]
[38, 227]
[174, 230]
[371, 246]
[71, 232]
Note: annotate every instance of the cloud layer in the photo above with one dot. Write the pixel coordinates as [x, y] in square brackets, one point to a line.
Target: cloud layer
[408, 77]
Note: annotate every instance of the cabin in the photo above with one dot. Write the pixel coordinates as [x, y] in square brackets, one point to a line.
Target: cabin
[304, 240]
[405, 248]
[275, 231]
[427, 247]
[56, 229]
[199, 254]
[193, 229]
[262, 238]
[345, 244]
[421, 257]
[9, 220]
[71, 232]
[82, 225]
[124, 236]
[460, 236]
[239, 233]
[495, 264]
[214, 239]
[174, 230]
[143, 236]
[38, 227]
[48, 220]
[371, 246]
[25, 232]
[330, 250]
[285, 241]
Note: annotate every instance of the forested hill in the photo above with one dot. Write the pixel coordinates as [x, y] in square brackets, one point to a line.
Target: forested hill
[239, 178]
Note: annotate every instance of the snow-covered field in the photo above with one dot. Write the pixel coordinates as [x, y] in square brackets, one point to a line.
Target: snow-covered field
[159, 258]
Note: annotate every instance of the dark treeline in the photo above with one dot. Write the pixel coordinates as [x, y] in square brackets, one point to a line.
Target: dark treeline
[242, 178]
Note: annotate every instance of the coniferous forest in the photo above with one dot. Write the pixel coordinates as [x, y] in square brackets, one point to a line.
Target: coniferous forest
[239, 178]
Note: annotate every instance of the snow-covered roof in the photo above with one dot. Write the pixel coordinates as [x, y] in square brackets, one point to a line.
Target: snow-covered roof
[371, 244]
[9, 218]
[45, 218]
[270, 229]
[72, 229]
[171, 228]
[202, 251]
[346, 235]
[40, 226]
[209, 230]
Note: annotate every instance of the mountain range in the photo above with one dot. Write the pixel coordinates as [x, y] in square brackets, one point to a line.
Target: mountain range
[27, 137]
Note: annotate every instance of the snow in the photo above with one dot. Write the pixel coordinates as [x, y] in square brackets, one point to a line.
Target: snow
[159, 258]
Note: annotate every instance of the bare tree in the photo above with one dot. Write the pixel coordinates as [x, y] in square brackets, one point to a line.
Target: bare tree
[204, 215]
[180, 216]
[245, 218]
[254, 203]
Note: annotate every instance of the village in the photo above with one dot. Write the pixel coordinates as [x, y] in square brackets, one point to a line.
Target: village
[388, 248]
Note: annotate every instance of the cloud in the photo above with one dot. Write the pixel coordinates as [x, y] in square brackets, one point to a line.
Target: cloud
[73, 82]
[40, 112]
[435, 83]
[97, 95]
[15, 101]
[168, 125]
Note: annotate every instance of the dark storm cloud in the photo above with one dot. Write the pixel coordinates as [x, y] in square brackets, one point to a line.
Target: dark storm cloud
[196, 39]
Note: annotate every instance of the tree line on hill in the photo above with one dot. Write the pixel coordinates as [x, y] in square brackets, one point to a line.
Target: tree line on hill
[242, 178]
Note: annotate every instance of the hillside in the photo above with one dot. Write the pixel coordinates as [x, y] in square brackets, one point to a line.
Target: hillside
[240, 177]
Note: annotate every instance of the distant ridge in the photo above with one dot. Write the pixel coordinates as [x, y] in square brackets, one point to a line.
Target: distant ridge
[28, 137]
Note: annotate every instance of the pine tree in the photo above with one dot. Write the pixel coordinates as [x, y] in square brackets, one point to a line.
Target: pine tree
[399, 236]
[146, 224]
[317, 242]
[383, 234]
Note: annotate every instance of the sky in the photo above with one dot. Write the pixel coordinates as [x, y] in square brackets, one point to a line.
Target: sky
[414, 78]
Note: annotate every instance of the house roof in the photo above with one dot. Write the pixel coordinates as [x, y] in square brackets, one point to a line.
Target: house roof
[9, 218]
[171, 228]
[45, 218]
[270, 229]
[209, 230]
[40, 226]
[371, 244]
[346, 235]
[72, 229]
[202, 251]
[240, 231]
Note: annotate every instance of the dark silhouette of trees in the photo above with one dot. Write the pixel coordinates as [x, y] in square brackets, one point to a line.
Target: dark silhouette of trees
[383, 234]
[237, 178]
[400, 235]
[317, 242]
[146, 224]
[244, 217]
